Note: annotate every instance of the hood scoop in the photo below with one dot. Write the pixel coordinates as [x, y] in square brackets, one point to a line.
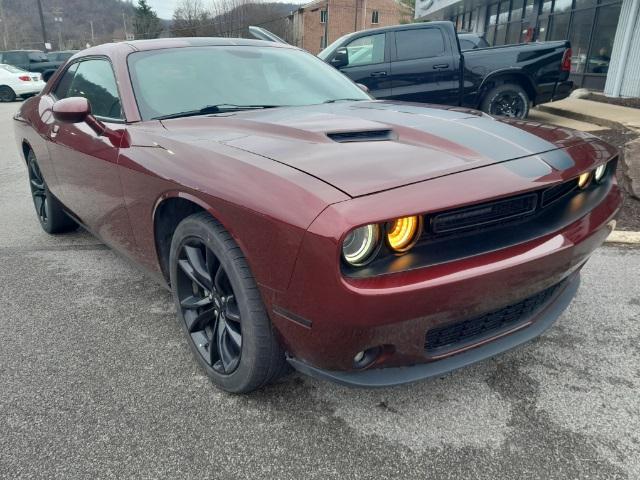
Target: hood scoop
[362, 136]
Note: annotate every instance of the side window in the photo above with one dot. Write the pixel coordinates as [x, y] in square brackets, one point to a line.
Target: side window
[95, 81]
[366, 50]
[14, 58]
[62, 88]
[419, 43]
[466, 45]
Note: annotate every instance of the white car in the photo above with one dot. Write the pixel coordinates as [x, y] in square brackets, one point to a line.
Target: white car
[15, 82]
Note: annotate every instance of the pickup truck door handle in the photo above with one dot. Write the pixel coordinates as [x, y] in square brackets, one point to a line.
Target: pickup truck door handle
[441, 66]
[378, 74]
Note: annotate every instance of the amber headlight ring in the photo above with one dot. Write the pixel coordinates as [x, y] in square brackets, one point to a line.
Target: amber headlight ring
[403, 233]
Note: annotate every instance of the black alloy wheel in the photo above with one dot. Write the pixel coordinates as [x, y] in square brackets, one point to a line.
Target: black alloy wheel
[507, 100]
[38, 191]
[508, 104]
[220, 307]
[209, 307]
[51, 214]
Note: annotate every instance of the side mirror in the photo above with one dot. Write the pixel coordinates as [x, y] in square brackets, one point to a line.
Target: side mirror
[364, 88]
[340, 58]
[78, 110]
[72, 110]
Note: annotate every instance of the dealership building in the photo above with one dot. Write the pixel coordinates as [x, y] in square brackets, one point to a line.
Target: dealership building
[604, 34]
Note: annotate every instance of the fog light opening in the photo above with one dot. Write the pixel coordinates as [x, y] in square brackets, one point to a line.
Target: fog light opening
[366, 357]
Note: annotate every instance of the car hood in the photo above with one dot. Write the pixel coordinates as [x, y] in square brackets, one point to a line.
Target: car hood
[366, 147]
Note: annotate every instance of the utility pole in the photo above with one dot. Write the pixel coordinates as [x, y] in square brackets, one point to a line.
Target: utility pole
[4, 26]
[124, 22]
[44, 30]
[93, 41]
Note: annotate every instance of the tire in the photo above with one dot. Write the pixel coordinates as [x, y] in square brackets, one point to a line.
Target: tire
[217, 301]
[507, 99]
[49, 210]
[7, 94]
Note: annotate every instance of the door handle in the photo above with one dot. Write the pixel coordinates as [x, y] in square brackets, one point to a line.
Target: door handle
[441, 66]
[54, 131]
[378, 74]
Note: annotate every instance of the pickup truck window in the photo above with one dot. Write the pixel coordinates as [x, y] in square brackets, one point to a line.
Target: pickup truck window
[366, 50]
[419, 43]
[14, 58]
[38, 57]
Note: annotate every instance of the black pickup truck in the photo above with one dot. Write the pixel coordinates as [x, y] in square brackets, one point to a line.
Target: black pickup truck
[31, 61]
[423, 63]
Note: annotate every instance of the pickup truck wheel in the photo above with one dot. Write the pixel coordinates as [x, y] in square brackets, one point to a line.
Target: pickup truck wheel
[507, 100]
[7, 94]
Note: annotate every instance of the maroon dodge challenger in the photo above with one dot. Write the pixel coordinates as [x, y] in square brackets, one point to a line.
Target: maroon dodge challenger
[299, 222]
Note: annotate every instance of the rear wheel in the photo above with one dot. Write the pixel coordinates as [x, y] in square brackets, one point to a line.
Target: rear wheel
[506, 100]
[50, 213]
[7, 94]
[220, 308]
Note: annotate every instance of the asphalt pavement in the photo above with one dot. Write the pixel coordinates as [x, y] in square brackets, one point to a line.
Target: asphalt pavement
[97, 381]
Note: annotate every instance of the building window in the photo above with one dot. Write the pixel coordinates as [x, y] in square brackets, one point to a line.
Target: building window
[374, 17]
[323, 16]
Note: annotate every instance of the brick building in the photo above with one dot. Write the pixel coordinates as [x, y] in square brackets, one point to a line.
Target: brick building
[339, 17]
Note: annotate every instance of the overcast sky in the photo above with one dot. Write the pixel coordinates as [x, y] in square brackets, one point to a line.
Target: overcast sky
[164, 8]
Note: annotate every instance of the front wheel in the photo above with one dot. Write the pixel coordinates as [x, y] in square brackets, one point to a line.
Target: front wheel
[220, 308]
[506, 100]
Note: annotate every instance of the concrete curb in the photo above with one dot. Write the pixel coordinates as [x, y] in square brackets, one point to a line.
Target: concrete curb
[582, 117]
[621, 236]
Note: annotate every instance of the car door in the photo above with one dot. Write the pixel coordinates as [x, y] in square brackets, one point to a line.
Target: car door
[368, 63]
[423, 66]
[85, 163]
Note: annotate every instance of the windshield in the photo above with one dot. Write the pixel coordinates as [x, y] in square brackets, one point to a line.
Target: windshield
[169, 82]
[12, 69]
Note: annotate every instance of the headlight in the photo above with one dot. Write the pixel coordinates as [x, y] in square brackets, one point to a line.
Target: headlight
[403, 233]
[360, 244]
[583, 180]
[599, 173]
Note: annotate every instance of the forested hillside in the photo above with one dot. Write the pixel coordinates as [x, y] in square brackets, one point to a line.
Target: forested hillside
[20, 25]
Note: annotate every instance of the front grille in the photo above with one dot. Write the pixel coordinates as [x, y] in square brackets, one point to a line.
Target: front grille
[484, 214]
[552, 194]
[457, 335]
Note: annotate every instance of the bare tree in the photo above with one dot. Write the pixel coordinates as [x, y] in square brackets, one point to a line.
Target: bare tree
[190, 19]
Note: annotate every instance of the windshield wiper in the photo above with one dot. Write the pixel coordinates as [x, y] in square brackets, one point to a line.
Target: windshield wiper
[221, 107]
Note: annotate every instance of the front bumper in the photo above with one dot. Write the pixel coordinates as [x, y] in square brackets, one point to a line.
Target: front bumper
[388, 377]
[325, 318]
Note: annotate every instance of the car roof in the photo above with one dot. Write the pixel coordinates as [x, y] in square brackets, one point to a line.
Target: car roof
[406, 26]
[182, 42]
[22, 51]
